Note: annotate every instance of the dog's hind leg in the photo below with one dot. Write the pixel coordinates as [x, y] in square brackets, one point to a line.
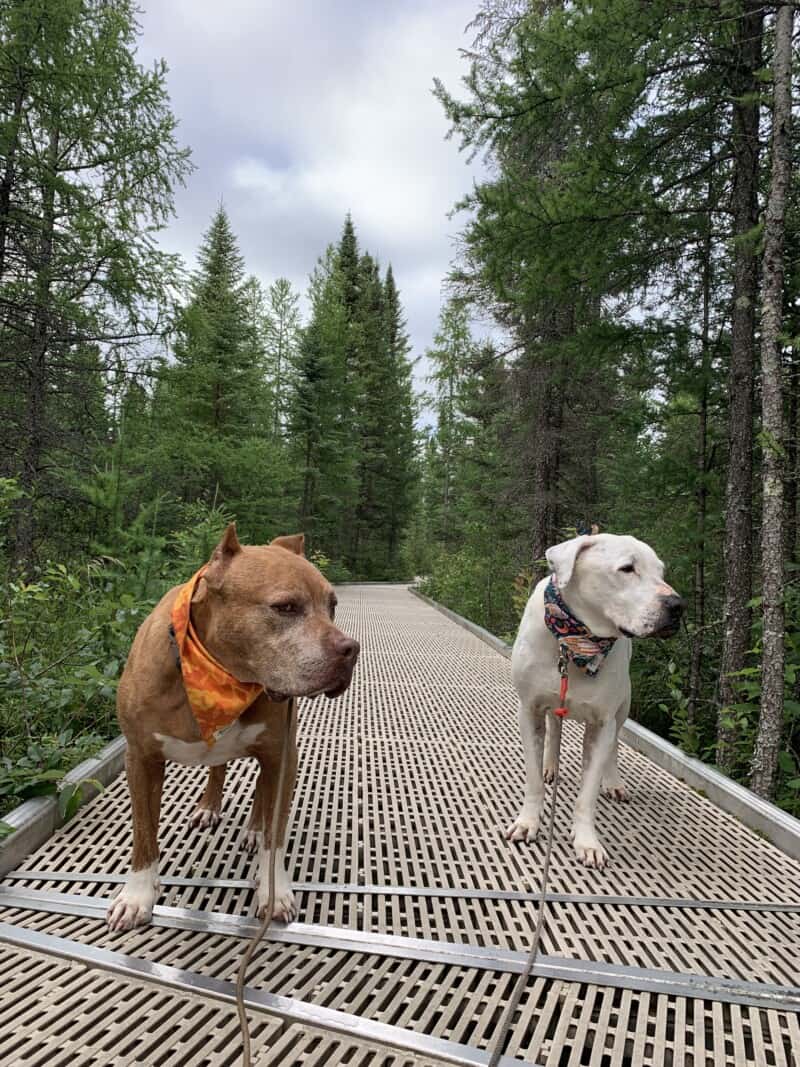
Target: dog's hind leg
[285, 906]
[133, 905]
[532, 727]
[612, 784]
[207, 813]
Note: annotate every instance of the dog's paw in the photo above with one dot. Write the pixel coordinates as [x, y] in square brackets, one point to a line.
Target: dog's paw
[590, 852]
[204, 818]
[250, 840]
[549, 773]
[616, 791]
[523, 828]
[285, 909]
[133, 904]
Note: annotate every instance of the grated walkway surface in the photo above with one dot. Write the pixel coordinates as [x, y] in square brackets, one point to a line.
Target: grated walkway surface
[409, 780]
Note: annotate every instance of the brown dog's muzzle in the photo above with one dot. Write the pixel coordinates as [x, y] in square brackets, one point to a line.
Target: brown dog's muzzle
[345, 650]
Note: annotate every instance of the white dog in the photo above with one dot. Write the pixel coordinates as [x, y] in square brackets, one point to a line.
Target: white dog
[603, 590]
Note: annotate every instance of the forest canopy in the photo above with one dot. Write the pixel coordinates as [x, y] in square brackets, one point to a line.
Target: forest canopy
[633, 243]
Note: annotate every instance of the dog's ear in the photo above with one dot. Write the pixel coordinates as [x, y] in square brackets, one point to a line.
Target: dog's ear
[293, 542]
[220, 558]
[561, 558]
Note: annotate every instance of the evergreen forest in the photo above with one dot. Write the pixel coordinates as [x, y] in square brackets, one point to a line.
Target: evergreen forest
[617, 345]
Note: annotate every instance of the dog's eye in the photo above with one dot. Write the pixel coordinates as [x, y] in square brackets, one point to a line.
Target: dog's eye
[628, 569]
[333, 604]
[288, 607]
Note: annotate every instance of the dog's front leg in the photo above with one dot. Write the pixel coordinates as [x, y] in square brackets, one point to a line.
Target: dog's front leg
[285, 906]
[551, 742]
[598, 742]
[532, 727]
[133, 905]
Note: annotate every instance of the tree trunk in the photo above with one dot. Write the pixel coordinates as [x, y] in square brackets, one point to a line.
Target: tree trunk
[770, 723]
[701, 500]
[10, 149]
[549, 384]
[792, 455]
[738, 549]
[307, 502]
[9, 173]
[541, 520]
[276, 419]
[36, 390]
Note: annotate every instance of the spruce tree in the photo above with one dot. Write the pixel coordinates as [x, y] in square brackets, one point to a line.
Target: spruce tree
[320, 411]
[352, 413]
[213, 413]
[282, 340]
[400, 411]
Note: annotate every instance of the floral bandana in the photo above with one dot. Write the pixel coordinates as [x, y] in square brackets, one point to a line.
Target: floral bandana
[216, 698]
[575, 640]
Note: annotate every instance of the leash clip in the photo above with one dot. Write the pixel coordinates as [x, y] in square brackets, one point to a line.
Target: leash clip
[563, 666]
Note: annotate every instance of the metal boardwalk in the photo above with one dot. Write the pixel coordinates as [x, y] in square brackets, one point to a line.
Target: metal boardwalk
[405, 786]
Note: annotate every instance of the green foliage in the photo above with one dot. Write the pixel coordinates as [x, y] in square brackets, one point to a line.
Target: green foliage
[333, 570]
[467, 580]
[743, 715]
[40, 769]
[9, 493]
[64, 636]
[72, 794]
[203, 527]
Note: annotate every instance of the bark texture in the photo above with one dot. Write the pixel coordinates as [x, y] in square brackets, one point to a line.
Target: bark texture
[770, 723]
[739, 488]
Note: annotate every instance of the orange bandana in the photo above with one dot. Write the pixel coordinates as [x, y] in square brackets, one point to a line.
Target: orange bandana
[216, 698]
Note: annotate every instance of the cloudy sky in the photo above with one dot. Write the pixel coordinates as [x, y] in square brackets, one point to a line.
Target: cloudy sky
[298, 112]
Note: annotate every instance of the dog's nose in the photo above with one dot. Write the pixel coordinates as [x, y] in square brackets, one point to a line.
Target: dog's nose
[674, 605]
[347, 648]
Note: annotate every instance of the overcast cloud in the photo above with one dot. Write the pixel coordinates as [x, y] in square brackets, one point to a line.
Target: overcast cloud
[299, 112]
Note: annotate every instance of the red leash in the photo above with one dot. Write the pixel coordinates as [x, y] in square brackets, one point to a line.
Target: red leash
[562, 710]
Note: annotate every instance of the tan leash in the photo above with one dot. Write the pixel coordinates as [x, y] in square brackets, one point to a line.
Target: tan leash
[504, 1025]
[248, 955]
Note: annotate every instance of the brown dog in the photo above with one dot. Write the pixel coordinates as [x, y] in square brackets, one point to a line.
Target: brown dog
[266, 615]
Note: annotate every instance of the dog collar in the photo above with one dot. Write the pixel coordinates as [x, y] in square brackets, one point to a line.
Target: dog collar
[215, 696]
[576, 642]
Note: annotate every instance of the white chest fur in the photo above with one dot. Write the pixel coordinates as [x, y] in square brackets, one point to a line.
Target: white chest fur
[233, 741]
